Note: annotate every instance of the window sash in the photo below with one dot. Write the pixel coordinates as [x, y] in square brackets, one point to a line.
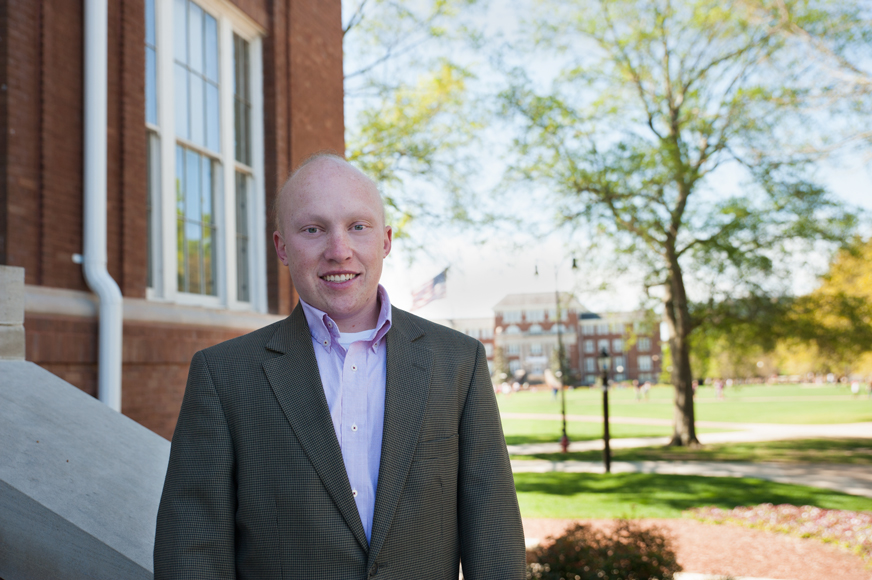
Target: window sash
[225, 290]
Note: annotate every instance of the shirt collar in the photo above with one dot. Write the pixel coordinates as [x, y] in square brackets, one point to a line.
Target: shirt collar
[326, 333]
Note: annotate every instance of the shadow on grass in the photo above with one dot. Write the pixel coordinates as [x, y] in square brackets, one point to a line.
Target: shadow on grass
[581, 495]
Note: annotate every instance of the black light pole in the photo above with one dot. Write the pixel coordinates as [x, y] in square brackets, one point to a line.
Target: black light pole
[561, 353]
[605, 362]
[564, 441]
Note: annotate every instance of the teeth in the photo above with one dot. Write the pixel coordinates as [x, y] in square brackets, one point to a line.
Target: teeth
[339, 277]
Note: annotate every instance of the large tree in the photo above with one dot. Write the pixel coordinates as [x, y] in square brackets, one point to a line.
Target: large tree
[681, 130]
[410, 118]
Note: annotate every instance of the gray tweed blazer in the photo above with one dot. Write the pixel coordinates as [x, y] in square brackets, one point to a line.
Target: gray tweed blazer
[256, 486]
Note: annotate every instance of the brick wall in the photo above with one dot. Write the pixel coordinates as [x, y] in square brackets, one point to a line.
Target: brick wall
[41, 173]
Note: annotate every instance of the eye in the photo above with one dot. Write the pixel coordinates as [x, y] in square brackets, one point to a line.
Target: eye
[311, 230]
[358, 227]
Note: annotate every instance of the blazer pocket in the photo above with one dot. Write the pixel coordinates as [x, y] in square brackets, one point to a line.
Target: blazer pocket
[445, 447]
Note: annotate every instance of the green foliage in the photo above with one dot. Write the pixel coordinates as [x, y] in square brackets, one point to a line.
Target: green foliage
[627, 552]
[829, 329]
[658, 101]
[400, 124]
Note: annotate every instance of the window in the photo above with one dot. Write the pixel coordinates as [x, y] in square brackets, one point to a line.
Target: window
[552, 314]
[536, 348]
[510, 316]
[617, 345]
[590, 365]
[588, 346]
[535, 329]
[535, 315]
[602, 328]
[618, 363]
[644, 344]
[644, 363]
[588, 329]
[589, 379]
[489, 349]
[487, 333]
[204, 119]
[514, 365]
[513, 329]
[513, 349]
[616, 328]
[603, 343]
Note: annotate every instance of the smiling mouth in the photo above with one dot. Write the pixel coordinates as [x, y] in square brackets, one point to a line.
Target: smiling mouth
[338, 277]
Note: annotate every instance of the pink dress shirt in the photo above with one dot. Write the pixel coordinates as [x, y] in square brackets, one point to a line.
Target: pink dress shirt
[354, 384]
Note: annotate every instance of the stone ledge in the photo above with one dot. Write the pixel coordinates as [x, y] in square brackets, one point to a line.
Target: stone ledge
[79, 483]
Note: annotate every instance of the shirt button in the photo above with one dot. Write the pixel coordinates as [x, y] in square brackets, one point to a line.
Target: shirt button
[329, 325]
[354, 492]
[326, 342]
[354, 367]
[354, 427]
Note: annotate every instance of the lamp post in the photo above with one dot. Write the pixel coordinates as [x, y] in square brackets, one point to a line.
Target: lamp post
[605, 362]
[561, 353]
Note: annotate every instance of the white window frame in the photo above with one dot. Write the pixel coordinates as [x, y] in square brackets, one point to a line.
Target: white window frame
[230, 20]
[644, 344]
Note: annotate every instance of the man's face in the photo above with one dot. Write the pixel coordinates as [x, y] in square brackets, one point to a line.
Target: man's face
[333, 241]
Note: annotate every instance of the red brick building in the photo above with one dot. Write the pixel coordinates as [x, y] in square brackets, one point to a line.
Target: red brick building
[210, 104]
[632, 340]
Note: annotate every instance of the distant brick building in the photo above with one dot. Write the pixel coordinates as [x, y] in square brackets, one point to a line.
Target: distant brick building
[525, 327]
[211, 103]
[631, 339]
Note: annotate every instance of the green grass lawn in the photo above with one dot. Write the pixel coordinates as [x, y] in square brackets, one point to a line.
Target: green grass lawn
[519, 431]
[746, 404]
[842, 451]
[643, 495]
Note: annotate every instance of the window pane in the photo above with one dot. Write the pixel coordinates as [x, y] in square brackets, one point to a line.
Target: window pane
[180, 27]
[206, 191]
[211, 49]
[213, 137]
[197, 110]
[180, 182]
[242, 258]
[150, 86]
[242, 106]
[192, 232]
[208, 263]
[181, 104]
[180, 256]
[241, 204]
[242, 270]
[195, 38]
[192, 187]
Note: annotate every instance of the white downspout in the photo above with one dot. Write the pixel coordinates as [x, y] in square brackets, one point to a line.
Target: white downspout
[95, 160]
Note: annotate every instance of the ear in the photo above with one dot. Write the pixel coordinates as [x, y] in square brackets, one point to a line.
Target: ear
[389, 233]
[281, 249]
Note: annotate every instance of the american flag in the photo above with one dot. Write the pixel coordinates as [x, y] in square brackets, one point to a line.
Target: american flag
[430, 291]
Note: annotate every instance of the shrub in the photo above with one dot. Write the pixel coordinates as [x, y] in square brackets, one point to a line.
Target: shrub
[625, 552]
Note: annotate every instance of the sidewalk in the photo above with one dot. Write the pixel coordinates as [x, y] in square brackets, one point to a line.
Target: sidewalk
[852, 479]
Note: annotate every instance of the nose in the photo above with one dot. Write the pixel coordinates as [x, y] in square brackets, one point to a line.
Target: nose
[338, 246]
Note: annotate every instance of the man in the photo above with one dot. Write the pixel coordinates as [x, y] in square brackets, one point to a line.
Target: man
[352, 440]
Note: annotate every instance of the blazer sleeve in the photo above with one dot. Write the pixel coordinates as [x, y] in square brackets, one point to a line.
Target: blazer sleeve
[491, 534]
[195, 522]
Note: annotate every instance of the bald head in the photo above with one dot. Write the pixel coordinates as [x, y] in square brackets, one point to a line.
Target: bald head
[310, 169]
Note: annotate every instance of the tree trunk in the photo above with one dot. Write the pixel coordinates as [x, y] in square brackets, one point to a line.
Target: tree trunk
[677, 316]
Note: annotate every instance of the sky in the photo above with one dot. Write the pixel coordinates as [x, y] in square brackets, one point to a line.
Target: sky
[481, 274]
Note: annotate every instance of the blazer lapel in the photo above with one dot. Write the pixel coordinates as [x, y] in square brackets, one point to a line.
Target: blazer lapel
[296, 382]
[409, 366]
